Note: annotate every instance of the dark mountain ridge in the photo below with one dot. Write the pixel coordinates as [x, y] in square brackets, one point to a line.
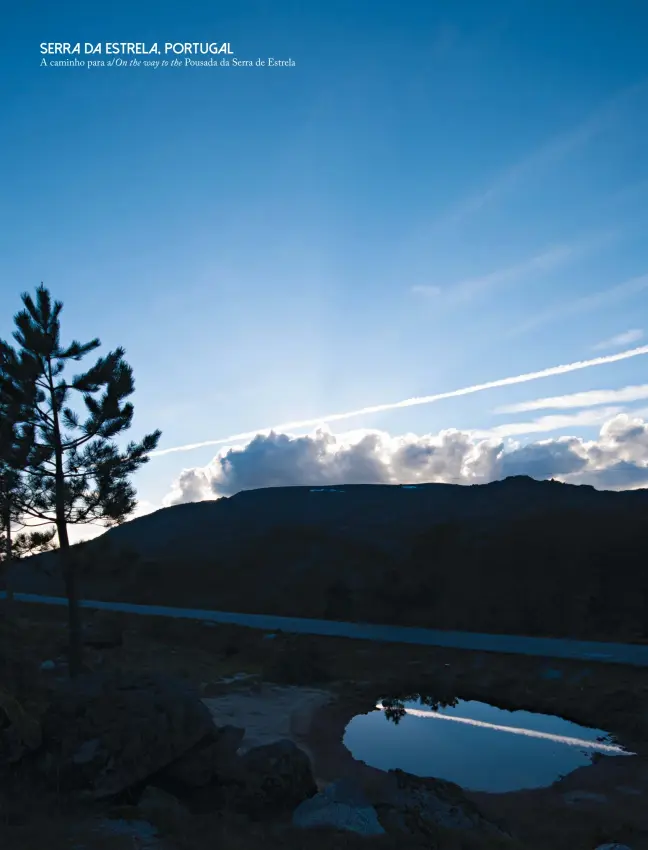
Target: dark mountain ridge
[353, 510]
[514, 555]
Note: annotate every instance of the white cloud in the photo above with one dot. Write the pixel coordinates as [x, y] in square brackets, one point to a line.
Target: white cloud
[617, 459]
[413, 402]
[590, 398]
[618, 341]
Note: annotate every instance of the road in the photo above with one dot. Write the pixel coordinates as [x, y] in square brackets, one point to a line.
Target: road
[610, 653]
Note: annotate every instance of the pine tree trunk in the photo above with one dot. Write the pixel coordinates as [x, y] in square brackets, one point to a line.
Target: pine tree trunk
[75, 637]
[75, 641]
[9, 603]
[68, 563]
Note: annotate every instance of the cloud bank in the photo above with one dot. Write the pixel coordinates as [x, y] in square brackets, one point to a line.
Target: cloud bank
[617, 459]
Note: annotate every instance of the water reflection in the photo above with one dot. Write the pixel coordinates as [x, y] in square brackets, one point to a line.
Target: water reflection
[395, 708]
[481, 747]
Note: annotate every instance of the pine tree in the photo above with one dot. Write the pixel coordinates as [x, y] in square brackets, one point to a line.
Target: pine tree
[74, 471]
[14, 448]
[26, 543]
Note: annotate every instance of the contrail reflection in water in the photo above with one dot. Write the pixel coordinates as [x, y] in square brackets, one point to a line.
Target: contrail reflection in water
[599, 746]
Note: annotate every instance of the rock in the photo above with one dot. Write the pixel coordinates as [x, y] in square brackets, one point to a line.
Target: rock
[142, 834]
[48, 665]
[343, 806]
[278, 777]
[104, 734]
[207, 759]
[213, 689]
[418, 806]
[223, 686]
[87, 751]
[20, 733]
[12, 747]
[156, 800]
[613, 846]
[161, 808]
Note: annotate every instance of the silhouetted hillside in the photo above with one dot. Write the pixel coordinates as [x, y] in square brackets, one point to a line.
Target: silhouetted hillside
[534, 557]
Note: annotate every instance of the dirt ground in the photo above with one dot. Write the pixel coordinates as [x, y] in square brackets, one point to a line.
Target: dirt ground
[316, 685]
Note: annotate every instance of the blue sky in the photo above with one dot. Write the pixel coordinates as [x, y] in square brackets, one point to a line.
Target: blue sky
[433, 197]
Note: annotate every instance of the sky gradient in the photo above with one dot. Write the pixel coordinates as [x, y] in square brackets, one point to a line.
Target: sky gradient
[434, 197]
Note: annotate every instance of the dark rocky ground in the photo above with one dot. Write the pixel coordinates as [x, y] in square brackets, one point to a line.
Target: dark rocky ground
[91, 763]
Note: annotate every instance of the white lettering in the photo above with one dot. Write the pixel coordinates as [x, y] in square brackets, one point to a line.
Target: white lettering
[60, 47]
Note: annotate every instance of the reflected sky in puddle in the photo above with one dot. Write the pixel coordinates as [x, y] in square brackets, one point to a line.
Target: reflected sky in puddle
[476, 745]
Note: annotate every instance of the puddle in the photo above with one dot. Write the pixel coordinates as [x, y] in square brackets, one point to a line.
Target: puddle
[476, 745]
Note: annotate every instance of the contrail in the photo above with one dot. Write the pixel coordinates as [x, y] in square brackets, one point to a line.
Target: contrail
[413, 402]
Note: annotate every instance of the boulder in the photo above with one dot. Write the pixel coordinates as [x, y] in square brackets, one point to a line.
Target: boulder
[12, 746]
[161, 808]
[613, 846]
[278, 777]
[418, 806]
[20, 733]
[341, 805]
[104, 734]
[116, 832]
[207, 760]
